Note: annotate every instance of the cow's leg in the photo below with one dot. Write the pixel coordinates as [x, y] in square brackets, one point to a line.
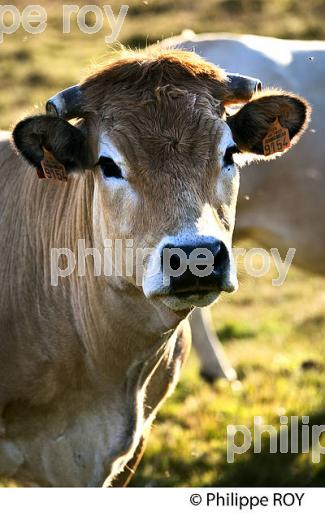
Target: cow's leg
[213, 359]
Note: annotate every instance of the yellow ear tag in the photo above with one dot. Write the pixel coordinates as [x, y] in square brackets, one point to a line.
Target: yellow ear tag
[277, 139]
[52, 168]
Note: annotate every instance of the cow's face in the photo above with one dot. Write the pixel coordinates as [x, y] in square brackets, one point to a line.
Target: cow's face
[165, 179]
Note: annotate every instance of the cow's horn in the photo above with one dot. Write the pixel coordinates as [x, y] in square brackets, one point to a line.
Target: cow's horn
[66, 104]
[242, 88]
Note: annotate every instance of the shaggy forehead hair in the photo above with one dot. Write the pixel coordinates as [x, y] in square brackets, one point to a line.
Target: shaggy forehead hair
[141, 73]
[159, 106]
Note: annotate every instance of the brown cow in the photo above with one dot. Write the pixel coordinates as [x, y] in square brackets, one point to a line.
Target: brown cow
[86, 362]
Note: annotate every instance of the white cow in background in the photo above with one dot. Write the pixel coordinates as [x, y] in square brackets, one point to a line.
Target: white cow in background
[281, 204]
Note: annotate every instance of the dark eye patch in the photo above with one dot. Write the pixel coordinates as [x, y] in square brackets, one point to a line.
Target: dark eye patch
[109, 167]
[228, 159]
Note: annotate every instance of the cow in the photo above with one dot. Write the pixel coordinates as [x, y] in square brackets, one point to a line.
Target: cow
[272, 213]
[86, 362]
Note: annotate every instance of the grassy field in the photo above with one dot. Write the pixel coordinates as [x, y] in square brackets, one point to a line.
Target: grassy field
[275, 337]
[33, 66]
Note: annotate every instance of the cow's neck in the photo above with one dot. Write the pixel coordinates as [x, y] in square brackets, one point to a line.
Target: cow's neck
[82, 349]
[111, 320]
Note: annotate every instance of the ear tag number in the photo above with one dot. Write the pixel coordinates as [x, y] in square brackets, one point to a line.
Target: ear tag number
[277, 139]
[51, 168]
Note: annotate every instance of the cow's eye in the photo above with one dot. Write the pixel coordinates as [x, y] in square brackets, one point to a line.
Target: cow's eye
[228, 159]
[109, 167]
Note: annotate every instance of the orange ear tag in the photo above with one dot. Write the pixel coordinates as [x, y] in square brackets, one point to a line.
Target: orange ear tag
[52, 168]
[277, 139]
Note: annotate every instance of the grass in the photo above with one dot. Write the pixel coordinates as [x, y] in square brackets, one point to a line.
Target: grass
[32, 67]
[275, 337]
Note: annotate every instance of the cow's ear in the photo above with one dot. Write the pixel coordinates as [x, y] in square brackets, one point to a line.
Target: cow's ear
[269, 124]
[67, 143]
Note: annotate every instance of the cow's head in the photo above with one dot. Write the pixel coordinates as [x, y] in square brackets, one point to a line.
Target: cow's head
[162, 149]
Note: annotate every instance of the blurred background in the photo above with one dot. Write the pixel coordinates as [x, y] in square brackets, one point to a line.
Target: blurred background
[275, 337]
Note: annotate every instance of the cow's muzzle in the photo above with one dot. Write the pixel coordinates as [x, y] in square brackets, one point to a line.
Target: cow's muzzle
[191, 273]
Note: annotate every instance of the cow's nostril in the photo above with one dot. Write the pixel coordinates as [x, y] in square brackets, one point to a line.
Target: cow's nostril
[175, 262]
[221, 258]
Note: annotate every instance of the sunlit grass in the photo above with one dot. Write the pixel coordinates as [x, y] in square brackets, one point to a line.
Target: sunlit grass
[32, 67]
[275, 338]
